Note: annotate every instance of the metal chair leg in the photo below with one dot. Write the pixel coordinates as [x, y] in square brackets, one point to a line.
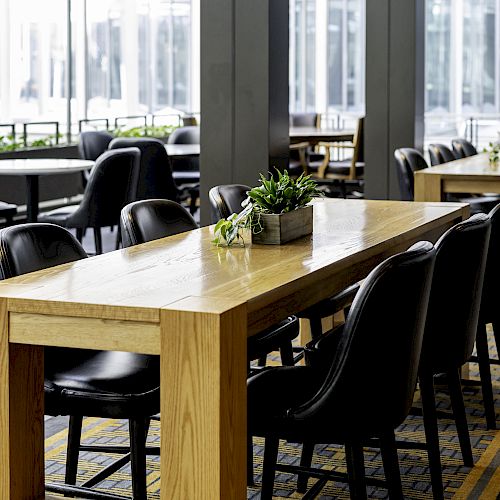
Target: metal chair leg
[483, 359]
[269, 467]
[138, 430]
[356, 469]
[98, 240]
[391, 465]
[73, 448]
[457, 403]
[286, 354]
[305, 461]
[431, 433]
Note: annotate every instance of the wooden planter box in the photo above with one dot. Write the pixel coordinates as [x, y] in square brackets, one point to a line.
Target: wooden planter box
[280, 228]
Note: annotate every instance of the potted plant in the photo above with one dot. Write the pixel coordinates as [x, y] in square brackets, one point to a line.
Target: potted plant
[277, 211]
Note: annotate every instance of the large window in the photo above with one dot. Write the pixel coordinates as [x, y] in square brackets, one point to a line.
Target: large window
[128, 57]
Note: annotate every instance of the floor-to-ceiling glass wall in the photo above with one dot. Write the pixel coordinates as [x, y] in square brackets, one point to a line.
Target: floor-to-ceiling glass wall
[128, 57]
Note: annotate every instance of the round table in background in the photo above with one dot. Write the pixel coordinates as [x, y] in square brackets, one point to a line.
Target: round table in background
[33, 168]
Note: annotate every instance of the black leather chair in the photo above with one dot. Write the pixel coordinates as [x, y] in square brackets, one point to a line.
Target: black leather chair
[226, 200]
[149, 220]
[93, 144]
[409, 160]
[186, 171]
[354, 369]
[82, 382]
[439, 154]
[155, 177]
[112, 184]
[462, 148]
[489, 314]
[303, 158]
[452, 322]
[305, 120]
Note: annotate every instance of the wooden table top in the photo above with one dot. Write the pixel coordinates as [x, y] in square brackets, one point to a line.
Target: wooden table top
[39, 166]
[314, 134]
[135, 283]
[474, 166]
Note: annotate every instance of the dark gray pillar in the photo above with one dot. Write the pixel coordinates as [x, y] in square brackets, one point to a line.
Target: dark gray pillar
[244, 92]
[395, 45]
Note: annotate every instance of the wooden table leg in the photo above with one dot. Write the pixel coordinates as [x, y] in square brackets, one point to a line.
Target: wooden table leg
[428, 187]
[21, 418]
[203, 405]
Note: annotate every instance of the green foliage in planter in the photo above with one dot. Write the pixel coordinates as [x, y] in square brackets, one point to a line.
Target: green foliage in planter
[284, 194]
[278, 195]
[145, 131]
[10, 143]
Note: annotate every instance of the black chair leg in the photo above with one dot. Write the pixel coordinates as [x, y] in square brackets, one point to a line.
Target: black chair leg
[305, 461]
[483, 359]
[250, 478]
[356, 469]
[118, 237]
[316, 328]
[431, 433]
[73, 448]
[457, 403]
[138, 430]
[79, 234]
[391, 465]
[286, 354]
[269, 467]
[262, 361]
[98, 240]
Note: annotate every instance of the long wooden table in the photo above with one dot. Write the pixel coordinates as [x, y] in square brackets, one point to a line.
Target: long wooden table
[468, 175]
[194, 305]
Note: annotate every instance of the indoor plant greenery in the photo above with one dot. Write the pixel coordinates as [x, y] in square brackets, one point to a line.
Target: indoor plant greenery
[493, 151]
[262, 211]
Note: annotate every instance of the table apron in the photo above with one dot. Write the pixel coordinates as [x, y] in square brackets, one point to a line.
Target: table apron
[469, 185]
[84, 333]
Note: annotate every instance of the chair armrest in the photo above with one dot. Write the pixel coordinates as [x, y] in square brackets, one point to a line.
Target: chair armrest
[299, 145]
[319, 353]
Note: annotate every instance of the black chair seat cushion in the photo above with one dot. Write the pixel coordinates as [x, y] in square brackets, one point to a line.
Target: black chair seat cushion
[344, 168]
[108, 384]
[271, 339]
[58, 216]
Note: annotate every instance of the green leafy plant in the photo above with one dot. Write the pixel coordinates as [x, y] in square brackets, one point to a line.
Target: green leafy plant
[277, 195]
[145, 131]
[493, 151]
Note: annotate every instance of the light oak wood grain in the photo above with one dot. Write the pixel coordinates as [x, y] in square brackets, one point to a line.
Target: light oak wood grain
[468, 175]
[21, 417]
[203, 406]
[84, 333]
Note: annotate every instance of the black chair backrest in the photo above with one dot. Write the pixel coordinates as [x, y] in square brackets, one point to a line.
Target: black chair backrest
[408, 161]
[93, 144]
[375, 363]
[112, 184]
[227, 199]
[185, 135]
[305, 120]
[462, 148]
[30, 247]
[148, 220]
[489, 301]
[155, 178]
[439, 154]
[456, 294]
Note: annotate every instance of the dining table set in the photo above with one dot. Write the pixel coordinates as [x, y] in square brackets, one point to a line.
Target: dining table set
[195, 304]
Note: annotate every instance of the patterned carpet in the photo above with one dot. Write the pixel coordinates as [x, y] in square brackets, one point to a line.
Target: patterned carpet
[483, 481]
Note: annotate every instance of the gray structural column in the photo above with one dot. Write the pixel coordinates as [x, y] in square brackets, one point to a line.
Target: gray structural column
[244, 92]
[395, 51]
